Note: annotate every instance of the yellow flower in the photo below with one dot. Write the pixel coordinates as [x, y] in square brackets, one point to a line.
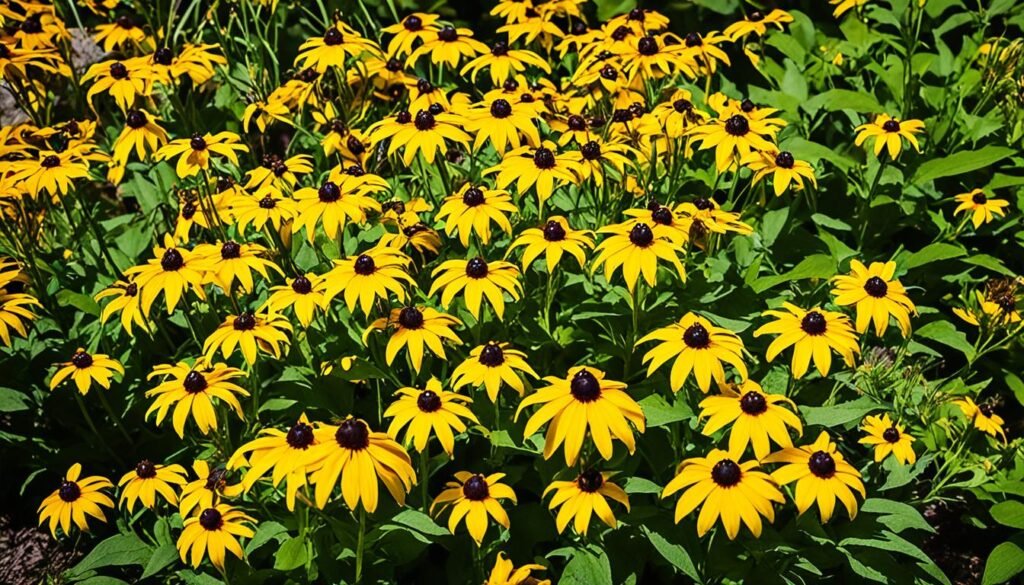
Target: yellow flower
[888, 438]
[889, 133]
[473, 497]
[420, 411]
[122, 33]
[734, 137]
[141, 133]
[553, 240]
[813, 333]
[368, 277]
[501, 123]
[472, 209]
[980, 207]
[83, 368]
[194, 153]
[476, 278]
[256, 210]
[50, 172]
[14, 313]
[333, 49]
[698, 347]
[225, 263]
[207, 489]
[281, 452]
[263, 113]
[877, 296]
[249, 331]
[149, 479]
[172, 270]
[424, 132]
[784, 169]
[821, 474]
[844, 5]
[490, 365]
[192, 389]
[125, 80]
[213, 532]
[340, 199]
[583, 497]
[754, 415]
[73, 500]
[997, 306]
[503, 62]
[447, 46]
[504, 572]
[415, 327]
[983, 417]
[636, 250]
[540, 169]
[756, 23]
[304, 294]
[417, 26]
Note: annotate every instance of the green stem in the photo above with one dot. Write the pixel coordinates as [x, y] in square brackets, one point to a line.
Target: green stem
[425, 477]
[360, 542]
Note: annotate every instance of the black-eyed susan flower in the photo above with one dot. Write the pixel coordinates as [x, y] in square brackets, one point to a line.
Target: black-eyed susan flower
[595, 157]
[229, 262]
[304, 294]
[194, 154]
[264, 113]
[471, 211]
[206, 490]
[980, 207]
[271, 207]
[784, 169]
[664, 221]
[636, 250]
[580, 499]
[279, 452]
[996, 306]
[698, 347]
[214, 532]
[125, 80]
[583, 401]
[653, 57]
[76, 498]
[504, 62]
[473, 497]
[888, 438]
[813, 333]
[250, 332]
[982, 416]
[734, 137]
[889, 133]
[367, 277]
[702, 53]
[756, 418]
[843, 6]
[141, 134]
[431, 410]
[358, 457]
[418, 235]
[338, 43]
[85, 368]
[448, 46]
[876, 294]
[123, 32]
[503, 125]
[339, 200]
[490, 365]
[425, 132]
[415, 327]
[504, 572]
[756, 23]
[702, 217]
[172, 270]
[678, 114]
[725, 489]
[821, 474]
[553, 240]
[477, 279]
[196, 390]
[197, 62]
[15, 312]
[416, 27]
[278, 172]
[148, 479]
[50, 173]
[539, 168]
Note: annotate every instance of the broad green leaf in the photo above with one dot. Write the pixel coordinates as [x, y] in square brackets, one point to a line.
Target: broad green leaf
[1005, 562]
[587, 568]
[844, 99]
[839, 414]
[1009, 513]
[947, 334]
[639, 485]
[418, 521]
[117, 551]
[162, 557]
[660, 413]
[814, 266]
[12, 400]
[84, 303]
[961, 162]
[897, 516]
[291, 555]
[931, 253]
[674, 553]
[266, 532]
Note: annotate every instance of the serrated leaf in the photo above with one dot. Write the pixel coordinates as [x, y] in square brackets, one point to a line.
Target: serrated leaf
[660, 413]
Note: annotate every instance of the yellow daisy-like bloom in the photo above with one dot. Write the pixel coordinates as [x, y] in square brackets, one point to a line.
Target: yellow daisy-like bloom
[583, 497]
[250, 332]
[304, 294]
[501, 123]
[359, 457]
[415, 327]
[490, 365]
[76, 498]
[702, 53]
[980, 207]
[703, 216]
[540, 169]
[595, 157]
[207, 489]
[423, 132]
[257, 211]
[756, 417]
[473, 497]
[50, 172]
[636, 250]
[121, 33]
[735, 492]
[888, 133]
[280, 452]
[476, 279]
[340, 199]
[678, 114]
[417, 26]
[172, 270]
[447, 46]
[14, 313]
[756, 23]
[504, 62]
[983, 417]
[813, 333]
[472, 209]
[149, 479]
[996, 306]
[553, 240]
[141, 133]
[821, 474]
[214, 532]
[877, 296]
[368, 277]
[264, 113]
[784, 169]
[888, 438]
[194, 153]
[430, 409]
[504, 572]
[844, 5]
[192, 389]
[698, 347]
[280, 173]
[664, 221]
[338, 43]
[228, 262]
[583, 401]
[123, 80]
[735, 137]
[83, 368]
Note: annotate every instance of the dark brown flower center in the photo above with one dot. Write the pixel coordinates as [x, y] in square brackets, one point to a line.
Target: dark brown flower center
[476, 268]
[145, 469]
[822, 464]
[753, 403]
[476, 488]
[986, 410]
[194, 382]
[172, 260]
[425, 120]
[50, 161]
[647, 46]
[979, 198]
[81, 360]
[410, 318]
[163, 56]
[197, 142]
[136, 119]
[813, 323]
[329, 192]
[500, 108]
[641, 235]
[703, 204]
[608, 72]
[131, 290]
[737, 125]
[693, 40]
[590, 481]
[544, 158]
[118, 70]
[412, 23]
[69, 491]
[891, 126]
[756, 16]
[245, 322]
[891, 434]
[428, 401]
[448, 34]
[663, 216]
[591, 150]
[353, 435]
[473, 197]
[585, 387]
[403, 117]
[492, 355]
[211, 519]
[876, 287]
[576, 123]
[620, 33]
[696, 336]
[302, 285]
[553, 231]
[333, 37]
[499, 49]
[230, 250]
[125, 21]
[785, 160]
[268, 202]
[682, 106]
[364, 265]
[747, 106]
[32, 25]
[726, 473]
[300, 436]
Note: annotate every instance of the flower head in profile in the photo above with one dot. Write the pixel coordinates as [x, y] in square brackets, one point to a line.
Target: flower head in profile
[431, 410]
[148, 479]
[843, 6]
[877, 296]
[415, 327]
[821, 474]
[725, 489]
[473, 497]
[504, 572]
[635, 249]
[554, 239]
[280, 453]
[213, 533]
[251, 333]
[584, 497]
[756, 23]
[753, 416]
[196, 390]
[997, 306]
[888, 438]
[491, 365]
[472, 210]
[207, 489]
[814, 334]
[264, 113]
[980, 207]
[583, 401]
[357, 457]
[982, 416]
[889, 133]
[698, 347]
[75, 498]
[85, 368]
[477, 279]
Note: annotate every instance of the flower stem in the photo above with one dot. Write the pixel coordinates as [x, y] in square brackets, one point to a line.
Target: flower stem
[425, 477]
[360, 544]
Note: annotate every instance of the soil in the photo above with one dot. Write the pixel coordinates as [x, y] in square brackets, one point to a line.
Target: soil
[958, 548]
[28, 555]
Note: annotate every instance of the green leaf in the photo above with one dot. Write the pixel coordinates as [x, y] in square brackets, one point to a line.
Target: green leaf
[896, 516]
[266, 532]
[839, 414]
[1009, 513]
[587, 568]
[1003, 564]
[772, 224]
[162, 557]
[991, 262]
[674, 553]
[947, 334]
[660, 413]
[814, 266]
[291, 555]
[932, 253]
[639, 485]
[117, 551]
[834, 100]
[418, 521]
[84, 303]
[12, 400]
[961, 162]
